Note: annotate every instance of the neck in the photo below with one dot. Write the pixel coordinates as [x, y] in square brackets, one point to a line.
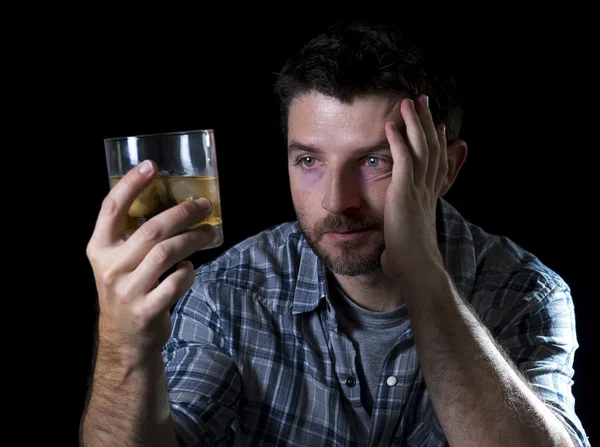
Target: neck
[373, 291]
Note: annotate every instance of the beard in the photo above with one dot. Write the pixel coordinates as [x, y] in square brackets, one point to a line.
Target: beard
[352, 259]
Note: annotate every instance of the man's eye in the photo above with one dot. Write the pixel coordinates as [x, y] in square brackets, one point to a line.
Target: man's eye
[308, 161]
[372, 162]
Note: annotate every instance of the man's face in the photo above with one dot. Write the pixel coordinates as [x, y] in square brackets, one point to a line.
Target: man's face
[340, 166]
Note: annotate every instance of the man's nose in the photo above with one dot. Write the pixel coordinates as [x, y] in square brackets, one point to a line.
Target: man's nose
[342, 192]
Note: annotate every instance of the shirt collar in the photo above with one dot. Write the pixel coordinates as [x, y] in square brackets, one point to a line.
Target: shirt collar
[310, 283]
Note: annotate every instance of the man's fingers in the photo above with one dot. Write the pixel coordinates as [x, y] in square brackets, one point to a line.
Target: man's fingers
[417, 139]
[111, 219]
[168, 253]
[443, 159]
[165, 225]
[166, 294]
[431, 136]
[402, 169]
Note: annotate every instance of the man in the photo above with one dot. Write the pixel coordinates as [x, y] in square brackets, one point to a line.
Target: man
[380, 317]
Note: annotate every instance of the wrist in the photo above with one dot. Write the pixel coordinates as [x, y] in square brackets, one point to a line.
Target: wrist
[124, 359]
[427, 273]
[128, 349]
[425, 283]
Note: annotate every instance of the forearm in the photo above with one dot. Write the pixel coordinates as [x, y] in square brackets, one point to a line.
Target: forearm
[478, 396]
[128, 406]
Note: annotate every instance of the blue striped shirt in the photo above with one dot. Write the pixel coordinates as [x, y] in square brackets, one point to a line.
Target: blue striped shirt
[255, 354]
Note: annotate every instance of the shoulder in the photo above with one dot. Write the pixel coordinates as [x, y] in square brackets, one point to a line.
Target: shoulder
[509, 270]
[517, 295]
[494, 270]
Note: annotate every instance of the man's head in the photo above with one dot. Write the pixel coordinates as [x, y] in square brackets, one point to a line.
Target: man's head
[336, 95]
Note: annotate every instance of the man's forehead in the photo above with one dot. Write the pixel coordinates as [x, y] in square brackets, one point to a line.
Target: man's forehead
[319, 109]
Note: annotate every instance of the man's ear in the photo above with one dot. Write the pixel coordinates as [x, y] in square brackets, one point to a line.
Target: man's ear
[457, 154]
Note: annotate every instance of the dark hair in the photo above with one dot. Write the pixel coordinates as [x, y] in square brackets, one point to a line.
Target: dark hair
[354, 59]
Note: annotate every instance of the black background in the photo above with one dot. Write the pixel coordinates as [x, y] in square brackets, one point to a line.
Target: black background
[529, 173]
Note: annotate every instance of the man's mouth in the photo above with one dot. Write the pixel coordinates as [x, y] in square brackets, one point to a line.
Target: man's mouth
[347, 234]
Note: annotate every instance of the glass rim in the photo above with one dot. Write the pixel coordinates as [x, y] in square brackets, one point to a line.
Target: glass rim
[159, 134]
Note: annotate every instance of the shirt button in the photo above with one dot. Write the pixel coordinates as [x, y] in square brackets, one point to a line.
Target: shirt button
[350, 381]
[391, 381]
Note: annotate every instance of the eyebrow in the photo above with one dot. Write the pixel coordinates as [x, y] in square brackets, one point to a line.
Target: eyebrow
[294, 147]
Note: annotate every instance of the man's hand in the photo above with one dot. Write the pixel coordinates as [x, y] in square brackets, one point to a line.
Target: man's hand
[418, 174]
[134, 307]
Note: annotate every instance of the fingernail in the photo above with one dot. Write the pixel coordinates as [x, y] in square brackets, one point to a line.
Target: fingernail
[185, 263]
[426, 100]
[205, 203]
[145, 167]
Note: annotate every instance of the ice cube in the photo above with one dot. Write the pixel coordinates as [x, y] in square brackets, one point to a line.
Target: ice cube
[152, 200]
[183, 189]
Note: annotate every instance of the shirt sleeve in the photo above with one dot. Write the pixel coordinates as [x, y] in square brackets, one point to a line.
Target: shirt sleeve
[542, 341]
[203, 382]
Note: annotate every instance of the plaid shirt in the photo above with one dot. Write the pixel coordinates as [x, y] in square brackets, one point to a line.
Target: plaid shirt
[255, 353]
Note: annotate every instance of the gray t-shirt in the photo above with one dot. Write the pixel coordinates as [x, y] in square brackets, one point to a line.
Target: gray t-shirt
[373, 334]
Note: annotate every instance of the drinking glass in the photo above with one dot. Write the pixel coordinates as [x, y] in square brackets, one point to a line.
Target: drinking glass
[187, 170]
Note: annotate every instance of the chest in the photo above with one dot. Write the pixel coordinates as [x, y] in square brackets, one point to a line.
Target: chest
[301, 382]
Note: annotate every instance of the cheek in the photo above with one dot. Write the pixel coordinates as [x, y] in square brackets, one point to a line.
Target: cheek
[373, 178]
[308, 179]
[303, 188]
[375, 189]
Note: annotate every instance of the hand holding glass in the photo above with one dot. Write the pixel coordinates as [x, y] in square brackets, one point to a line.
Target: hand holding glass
[187, 170]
